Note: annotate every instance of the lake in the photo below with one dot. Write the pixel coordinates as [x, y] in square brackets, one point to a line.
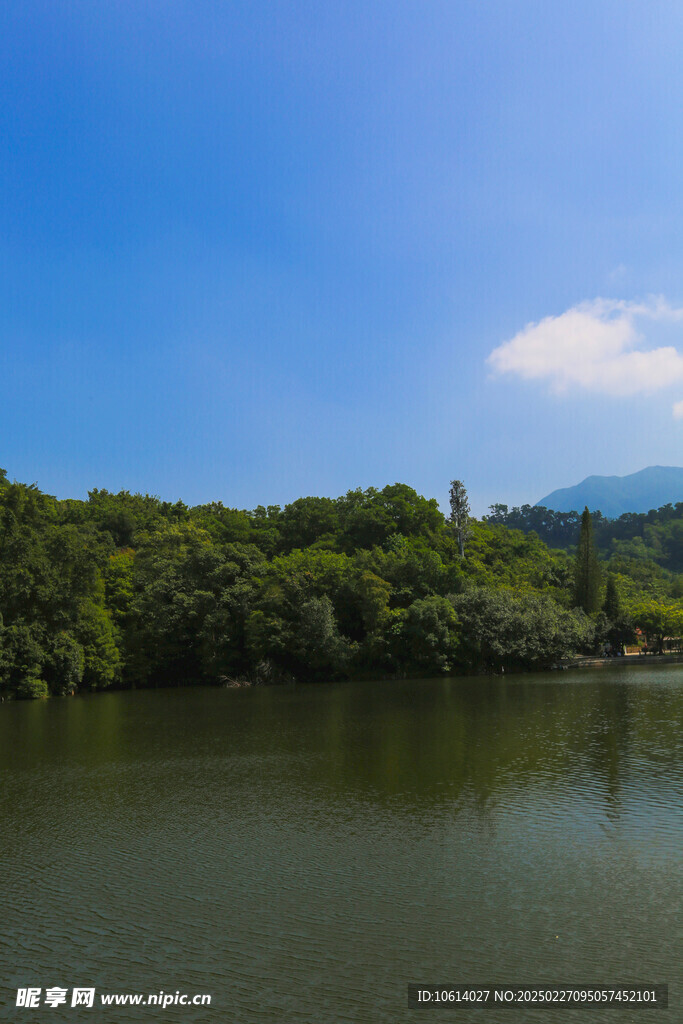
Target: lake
[302, 853]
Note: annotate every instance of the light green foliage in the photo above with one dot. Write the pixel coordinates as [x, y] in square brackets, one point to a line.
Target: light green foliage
[658, 620]
[311, 572]
[126, 517]
[638, 577]
[224, 525]
[119, 584]
[31, 688]
[96, 635]
[500, 557]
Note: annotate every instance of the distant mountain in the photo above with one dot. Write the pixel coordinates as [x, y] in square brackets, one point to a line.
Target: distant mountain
[614, 495]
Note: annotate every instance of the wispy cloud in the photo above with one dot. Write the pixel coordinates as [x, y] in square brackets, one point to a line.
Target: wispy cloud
[678, 410]
[618, 274]
[596, 346]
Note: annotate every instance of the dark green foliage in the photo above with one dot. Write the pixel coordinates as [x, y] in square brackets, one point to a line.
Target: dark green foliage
[460, 513]
[22, 653]
[65, 664]
[371, 518]
[500, 630]
[318, 650]
[235, 583]
[430, 635]
[557, 529]
[612, 605]
[127, 590]
[656, 535]
[619, 631]
[587, 570]
[614, 626]
[308, 521]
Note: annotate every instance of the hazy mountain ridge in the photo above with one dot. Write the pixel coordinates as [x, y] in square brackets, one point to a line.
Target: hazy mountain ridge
[614, 495]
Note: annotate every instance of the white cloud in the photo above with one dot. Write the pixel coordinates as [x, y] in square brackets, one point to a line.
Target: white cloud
[595, 346]
[678, 410]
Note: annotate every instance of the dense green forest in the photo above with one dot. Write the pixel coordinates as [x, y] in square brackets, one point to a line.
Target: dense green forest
[127, 590]
[656, 535]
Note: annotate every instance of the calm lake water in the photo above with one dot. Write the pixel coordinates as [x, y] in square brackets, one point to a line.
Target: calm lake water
[303, 853]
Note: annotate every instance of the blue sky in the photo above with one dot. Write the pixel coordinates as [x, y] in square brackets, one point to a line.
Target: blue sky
[255, 250]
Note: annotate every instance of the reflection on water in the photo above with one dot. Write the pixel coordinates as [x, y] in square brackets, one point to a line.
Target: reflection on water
[303, 853]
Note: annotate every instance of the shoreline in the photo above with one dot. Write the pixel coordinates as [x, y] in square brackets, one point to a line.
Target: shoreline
[579, 662]
[626, 659]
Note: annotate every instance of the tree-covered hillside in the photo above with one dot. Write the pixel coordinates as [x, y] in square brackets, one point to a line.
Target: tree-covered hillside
[656, 535]
[127, 590]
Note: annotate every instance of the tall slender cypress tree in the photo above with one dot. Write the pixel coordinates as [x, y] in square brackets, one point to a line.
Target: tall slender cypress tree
[587, 568]
[612, 605]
